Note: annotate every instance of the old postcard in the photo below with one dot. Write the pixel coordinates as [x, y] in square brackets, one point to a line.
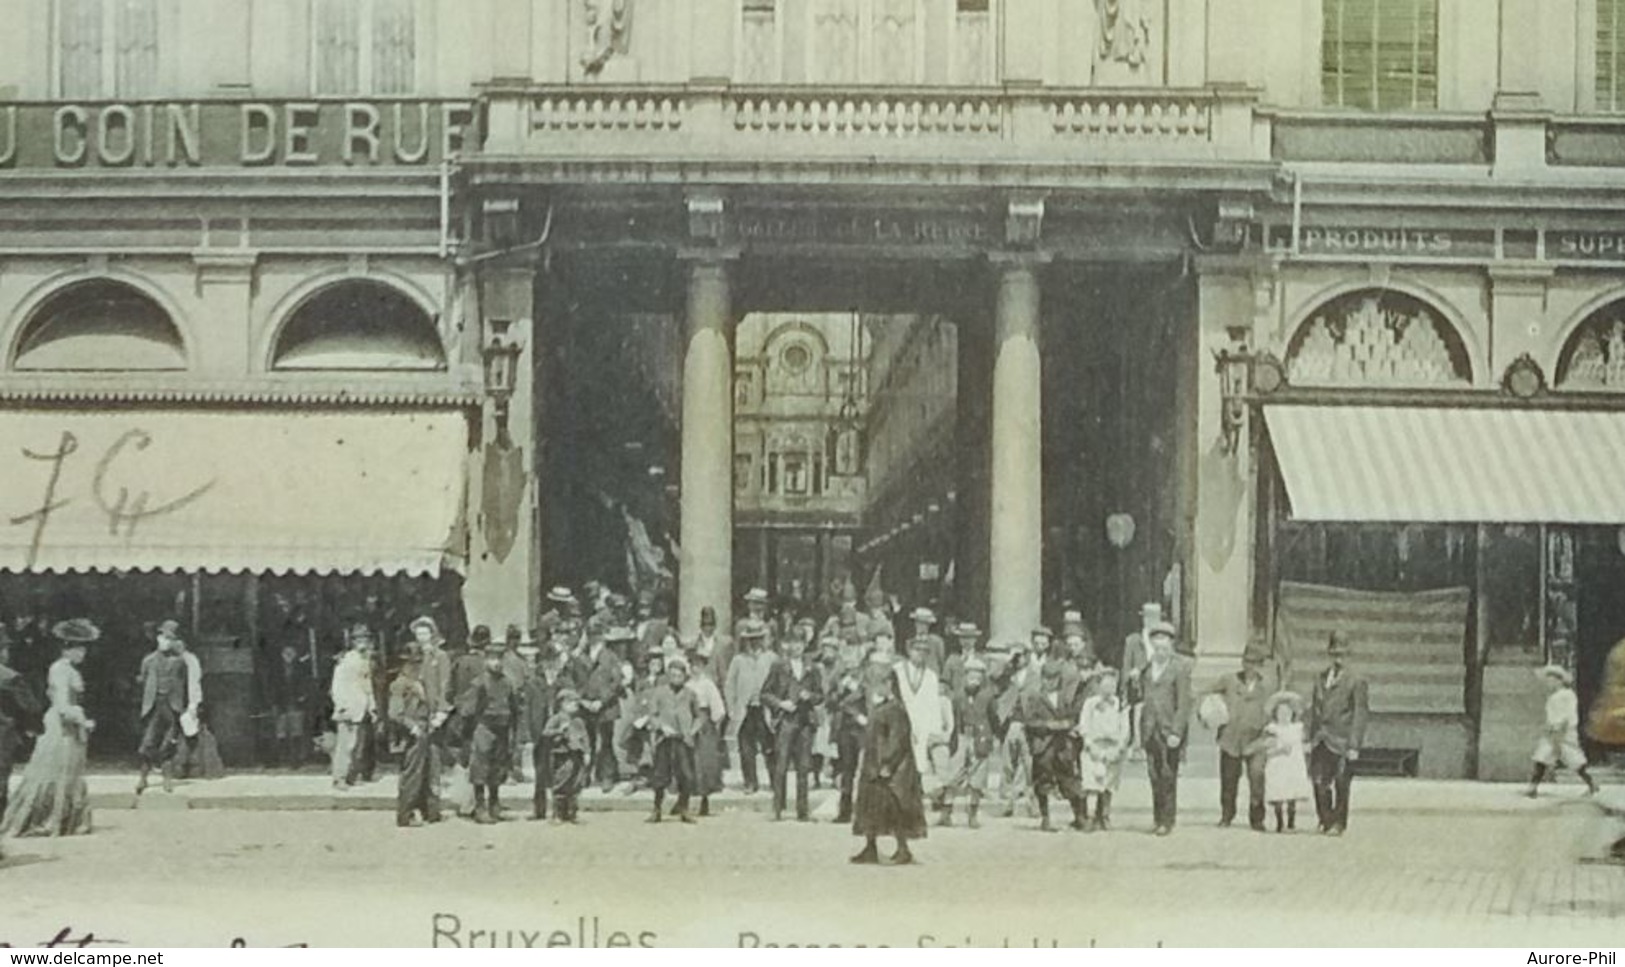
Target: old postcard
[765, 473]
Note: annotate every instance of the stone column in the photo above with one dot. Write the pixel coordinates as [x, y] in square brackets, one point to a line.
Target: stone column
[1016, 562]
[1233, 298]
[705, 574]
[502, 586]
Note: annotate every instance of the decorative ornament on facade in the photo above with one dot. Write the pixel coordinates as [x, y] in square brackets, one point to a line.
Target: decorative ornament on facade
[1125, 31]
[1373, 338]
[1595, 356]
[1524, 378]
[609, 32]
[1120, 530]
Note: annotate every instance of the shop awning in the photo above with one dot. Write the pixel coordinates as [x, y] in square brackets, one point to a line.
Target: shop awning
[323, 492]
[1463, 465]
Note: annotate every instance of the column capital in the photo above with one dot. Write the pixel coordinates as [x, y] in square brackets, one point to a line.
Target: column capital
[719, 256]
[1237, 263]
[1005, 259]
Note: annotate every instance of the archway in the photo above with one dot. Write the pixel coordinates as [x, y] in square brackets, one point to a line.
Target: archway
[99, 325]
[359, 325]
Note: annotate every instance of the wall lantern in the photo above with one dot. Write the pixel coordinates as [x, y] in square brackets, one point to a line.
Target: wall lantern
[1243, 376]
[501, 358]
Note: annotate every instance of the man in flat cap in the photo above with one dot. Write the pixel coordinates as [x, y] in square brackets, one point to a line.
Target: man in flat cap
[410, 708]
[163, 682]
[747, 720]
[1050, 715]
[1244, 695]
[1336, 730]
[1165, 723]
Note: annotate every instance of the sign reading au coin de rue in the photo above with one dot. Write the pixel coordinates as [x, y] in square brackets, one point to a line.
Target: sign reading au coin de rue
[242, 134]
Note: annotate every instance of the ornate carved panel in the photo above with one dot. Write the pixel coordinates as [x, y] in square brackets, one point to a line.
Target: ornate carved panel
[1594, 358]
[1377, 338]
[836, 49]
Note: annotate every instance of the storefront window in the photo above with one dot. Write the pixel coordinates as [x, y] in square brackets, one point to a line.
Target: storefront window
[1512, 592]
[1378, 557]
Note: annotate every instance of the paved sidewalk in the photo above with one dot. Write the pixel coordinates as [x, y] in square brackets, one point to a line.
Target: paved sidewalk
[271, 791]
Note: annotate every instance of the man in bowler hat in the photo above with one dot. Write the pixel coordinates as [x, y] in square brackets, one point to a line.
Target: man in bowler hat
[1337, 719]
[1164, 722]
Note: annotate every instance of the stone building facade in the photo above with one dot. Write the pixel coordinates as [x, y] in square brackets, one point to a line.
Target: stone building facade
[1395, 223]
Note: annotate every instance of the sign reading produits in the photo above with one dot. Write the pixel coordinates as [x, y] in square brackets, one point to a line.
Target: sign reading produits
[1425, 244]
[200, 134]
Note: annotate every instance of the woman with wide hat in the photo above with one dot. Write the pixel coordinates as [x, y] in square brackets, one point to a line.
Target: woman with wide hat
[52, 799]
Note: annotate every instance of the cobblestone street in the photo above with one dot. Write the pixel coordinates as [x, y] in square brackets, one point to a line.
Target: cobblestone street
[1494, 870]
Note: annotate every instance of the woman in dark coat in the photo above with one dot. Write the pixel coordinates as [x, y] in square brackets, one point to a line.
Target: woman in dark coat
[890, 800]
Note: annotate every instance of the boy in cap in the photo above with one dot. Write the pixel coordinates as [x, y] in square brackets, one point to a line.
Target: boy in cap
[493, 711]
[976, 726]
[1559, 743]
[1050, 714]
[411, 710]
[568, 745]
[674, 723]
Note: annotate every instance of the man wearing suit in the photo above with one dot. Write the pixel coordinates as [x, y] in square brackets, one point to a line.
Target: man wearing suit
[791, 695]
[1244, 696]
[164, 696]
[598, 669]
[541, 702]
[1336, 730]
[1165, 685]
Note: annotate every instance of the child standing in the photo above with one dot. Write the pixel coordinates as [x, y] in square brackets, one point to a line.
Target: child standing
[1559, 743]
[1103, 724]
[1286, 769]
[566, 733]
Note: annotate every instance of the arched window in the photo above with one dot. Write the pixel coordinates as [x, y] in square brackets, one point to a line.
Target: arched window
[1594, 357]
[100, 325]
[359, 325]
[1377, 337]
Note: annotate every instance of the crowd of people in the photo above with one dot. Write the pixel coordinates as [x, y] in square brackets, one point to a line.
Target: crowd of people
[606, 692]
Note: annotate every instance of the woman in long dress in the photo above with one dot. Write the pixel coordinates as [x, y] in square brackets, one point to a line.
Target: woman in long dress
[890, 800]
[52, 799]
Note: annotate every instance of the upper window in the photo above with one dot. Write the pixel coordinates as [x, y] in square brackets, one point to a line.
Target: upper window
[1380, 55]
[99, 325]
[358, 325]
[107, 48]
[364, 47]
[1611, 55]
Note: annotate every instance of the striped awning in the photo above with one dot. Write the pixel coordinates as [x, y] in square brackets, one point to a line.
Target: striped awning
[262, 491]
[1463, 465]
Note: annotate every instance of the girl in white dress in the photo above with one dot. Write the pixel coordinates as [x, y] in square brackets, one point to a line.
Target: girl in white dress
[1103, 724]
[1286, 768]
